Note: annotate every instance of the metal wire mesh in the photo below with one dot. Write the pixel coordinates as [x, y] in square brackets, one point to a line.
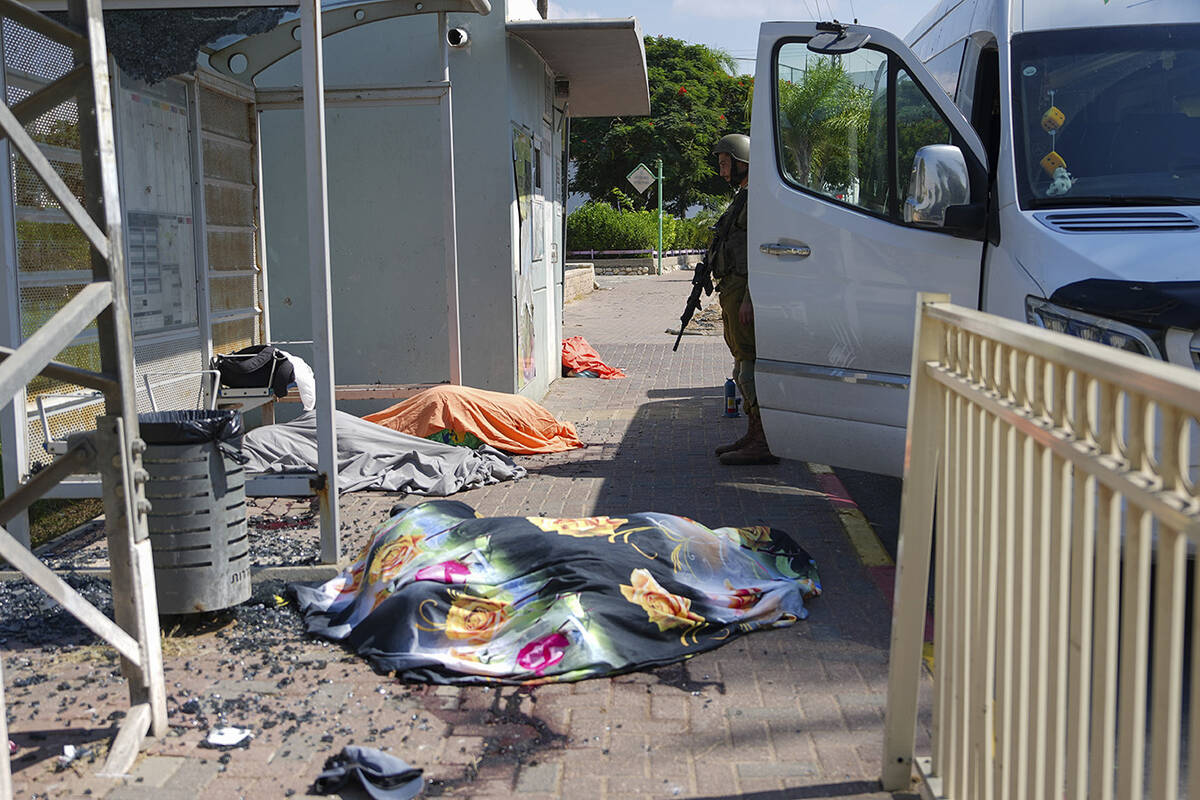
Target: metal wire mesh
[231, 250]
[59, 126]
[229, 118]
[85, 355]
[44, 246]
[174, 368]
[30, 191]
[45, 239]
[47, 242]
[229, 337]
[27, 52]
[54, 259]
[70, 417]
[225, 115]
[40, 303]
[233, 293]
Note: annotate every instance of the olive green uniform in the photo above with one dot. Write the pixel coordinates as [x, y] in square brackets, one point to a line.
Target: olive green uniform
[727, 255]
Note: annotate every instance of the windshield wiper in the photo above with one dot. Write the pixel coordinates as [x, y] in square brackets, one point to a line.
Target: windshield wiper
[1115, 200]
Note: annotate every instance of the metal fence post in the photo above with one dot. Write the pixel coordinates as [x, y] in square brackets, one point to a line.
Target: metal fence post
[913, 552]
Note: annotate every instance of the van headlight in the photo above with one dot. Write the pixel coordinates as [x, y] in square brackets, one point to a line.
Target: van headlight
[1047, 315]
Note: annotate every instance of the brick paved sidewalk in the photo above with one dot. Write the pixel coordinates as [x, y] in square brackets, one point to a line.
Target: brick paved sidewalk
[792, 713]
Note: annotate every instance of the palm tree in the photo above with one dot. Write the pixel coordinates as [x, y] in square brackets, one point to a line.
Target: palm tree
[823, 116]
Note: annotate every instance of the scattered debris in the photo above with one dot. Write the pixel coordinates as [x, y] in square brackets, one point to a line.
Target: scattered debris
[30, 619]
[228, 738]
[274, 539]
[706, 322]
[285, 522]
[70, 755]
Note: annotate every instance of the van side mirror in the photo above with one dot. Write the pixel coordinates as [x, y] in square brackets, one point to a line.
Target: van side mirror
[938, 181]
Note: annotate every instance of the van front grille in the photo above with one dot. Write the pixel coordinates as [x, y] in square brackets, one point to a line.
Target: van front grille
[1117, 221]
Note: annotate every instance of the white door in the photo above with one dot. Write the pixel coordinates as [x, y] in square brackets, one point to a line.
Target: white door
[834, 269]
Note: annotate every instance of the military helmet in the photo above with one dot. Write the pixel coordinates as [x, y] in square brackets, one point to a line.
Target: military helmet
[736, 144]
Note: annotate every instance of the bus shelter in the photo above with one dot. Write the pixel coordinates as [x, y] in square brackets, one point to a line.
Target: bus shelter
[189, 154]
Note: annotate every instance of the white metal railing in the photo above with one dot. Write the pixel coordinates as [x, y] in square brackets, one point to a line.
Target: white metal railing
[1066, 508]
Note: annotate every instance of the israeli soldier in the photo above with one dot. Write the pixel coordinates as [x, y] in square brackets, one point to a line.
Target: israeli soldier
[728, 258]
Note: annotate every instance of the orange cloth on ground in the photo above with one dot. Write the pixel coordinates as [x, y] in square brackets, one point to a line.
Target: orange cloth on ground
[507, 422]
[578, 355]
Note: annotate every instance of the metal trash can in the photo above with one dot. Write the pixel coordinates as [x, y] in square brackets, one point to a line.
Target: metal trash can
[197, 519]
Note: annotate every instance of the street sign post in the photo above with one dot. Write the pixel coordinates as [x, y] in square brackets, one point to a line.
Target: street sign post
[642, 178]
[658, 163]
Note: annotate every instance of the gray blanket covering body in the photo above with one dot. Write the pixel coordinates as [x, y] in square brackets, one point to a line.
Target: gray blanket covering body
[371, 456]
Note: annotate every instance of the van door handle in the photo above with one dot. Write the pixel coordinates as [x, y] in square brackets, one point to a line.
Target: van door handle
[777, 249]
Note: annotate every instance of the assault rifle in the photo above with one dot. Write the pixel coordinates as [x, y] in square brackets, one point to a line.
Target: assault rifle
[701, 282]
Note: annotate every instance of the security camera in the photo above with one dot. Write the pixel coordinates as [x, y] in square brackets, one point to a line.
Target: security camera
[457, 37]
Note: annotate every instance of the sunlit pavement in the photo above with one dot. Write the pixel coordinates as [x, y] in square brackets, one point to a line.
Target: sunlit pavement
[791, 713]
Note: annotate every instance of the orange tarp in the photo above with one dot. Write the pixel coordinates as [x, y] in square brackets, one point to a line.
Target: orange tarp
[578, 355]
[507, 422]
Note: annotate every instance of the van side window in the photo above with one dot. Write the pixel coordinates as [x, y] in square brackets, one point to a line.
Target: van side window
[831, 117]
[918, 123]
[985, 111]
[946, 66]
[848, 126]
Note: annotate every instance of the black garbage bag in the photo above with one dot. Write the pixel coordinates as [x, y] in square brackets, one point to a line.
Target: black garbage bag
[222, 426]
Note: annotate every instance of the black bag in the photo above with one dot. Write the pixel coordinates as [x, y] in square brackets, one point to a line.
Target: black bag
[257, 366]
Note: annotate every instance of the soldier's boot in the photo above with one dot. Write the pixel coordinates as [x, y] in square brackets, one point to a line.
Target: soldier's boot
[739, 444]
[755, 451]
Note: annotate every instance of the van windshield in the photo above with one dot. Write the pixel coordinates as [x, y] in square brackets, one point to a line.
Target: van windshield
[1107, 116]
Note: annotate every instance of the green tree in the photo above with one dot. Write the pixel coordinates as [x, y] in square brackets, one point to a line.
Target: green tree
[917, 124]
[30, 190]
[695, 98]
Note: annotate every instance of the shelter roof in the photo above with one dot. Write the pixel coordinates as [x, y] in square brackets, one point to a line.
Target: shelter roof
[156, 5]
[246, 57]
[154, 39]
[603, 59]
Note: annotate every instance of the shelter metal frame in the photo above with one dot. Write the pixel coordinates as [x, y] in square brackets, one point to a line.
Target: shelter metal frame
[113, 449]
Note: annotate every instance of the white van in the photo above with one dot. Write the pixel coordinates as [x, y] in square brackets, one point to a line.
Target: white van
[1061, 186]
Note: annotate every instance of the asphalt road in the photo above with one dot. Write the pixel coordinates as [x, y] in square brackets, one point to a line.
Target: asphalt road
[878, 497]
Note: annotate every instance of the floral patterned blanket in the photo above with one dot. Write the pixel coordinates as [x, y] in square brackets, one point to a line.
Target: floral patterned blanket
[442, 595]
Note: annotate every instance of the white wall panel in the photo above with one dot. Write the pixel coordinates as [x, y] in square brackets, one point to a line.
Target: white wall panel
[386, 244]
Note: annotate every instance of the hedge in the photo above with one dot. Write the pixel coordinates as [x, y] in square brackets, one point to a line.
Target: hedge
[599, 226]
